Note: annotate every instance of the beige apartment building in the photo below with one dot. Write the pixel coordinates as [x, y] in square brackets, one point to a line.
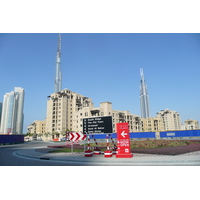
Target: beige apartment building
[191, 124]
[62, 108]
[171, 119]
[153, 124]
[66, 110]
[105, 109]
[38, 127]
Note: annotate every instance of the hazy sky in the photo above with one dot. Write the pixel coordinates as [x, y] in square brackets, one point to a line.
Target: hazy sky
[104, 67]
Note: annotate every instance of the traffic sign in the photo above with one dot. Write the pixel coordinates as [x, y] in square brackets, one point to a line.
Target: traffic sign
[97, 125]
[123, 141]
[77, 136]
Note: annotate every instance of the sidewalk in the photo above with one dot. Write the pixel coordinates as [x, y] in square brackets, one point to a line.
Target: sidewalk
[189, 159]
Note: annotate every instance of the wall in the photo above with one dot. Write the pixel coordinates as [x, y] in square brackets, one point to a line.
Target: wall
[11, 139]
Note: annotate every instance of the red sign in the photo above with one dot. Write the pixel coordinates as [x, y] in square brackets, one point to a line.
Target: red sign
[123, 143]
[77, 136]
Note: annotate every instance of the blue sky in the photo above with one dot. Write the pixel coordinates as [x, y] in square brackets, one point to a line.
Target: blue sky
[104, 67]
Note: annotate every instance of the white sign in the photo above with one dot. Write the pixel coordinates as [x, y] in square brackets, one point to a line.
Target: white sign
[170, 134]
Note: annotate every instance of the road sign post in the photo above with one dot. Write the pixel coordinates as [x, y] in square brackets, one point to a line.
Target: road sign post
[123, 143]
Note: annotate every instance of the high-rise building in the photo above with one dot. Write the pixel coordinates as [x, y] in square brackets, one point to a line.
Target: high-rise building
[144, 97]
[61, 110]
[171, 119]
[58, 75]
[12, 112]
[0, 112]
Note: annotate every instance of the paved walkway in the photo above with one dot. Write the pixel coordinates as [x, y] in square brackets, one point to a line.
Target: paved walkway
[189, 159]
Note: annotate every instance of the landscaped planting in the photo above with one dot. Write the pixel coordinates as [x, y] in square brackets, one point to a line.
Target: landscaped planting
[164, 147]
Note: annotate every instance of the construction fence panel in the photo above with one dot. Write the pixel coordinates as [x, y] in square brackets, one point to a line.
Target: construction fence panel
[182, 133]
[11, 139]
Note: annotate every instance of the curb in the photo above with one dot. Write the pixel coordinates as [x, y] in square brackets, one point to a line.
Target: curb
[107, 160]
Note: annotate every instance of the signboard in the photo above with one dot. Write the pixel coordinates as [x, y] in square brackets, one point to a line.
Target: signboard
[170, 134]
[97, 125]
[123, 141]
[77, 136]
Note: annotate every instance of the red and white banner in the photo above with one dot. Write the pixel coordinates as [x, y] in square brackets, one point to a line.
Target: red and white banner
[77, 136]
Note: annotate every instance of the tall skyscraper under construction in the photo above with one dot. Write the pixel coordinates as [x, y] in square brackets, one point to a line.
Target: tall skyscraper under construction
[144, 97]
[58, 77]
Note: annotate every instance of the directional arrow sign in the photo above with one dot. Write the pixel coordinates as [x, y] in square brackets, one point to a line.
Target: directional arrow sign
[123, 141]
[123, 134]
[77, 136]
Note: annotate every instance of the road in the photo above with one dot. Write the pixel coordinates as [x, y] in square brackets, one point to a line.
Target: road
[8, 157]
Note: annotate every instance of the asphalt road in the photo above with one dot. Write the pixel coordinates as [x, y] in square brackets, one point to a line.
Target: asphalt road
[9, 158]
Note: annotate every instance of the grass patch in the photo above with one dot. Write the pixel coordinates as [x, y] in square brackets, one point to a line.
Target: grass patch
[66, 150]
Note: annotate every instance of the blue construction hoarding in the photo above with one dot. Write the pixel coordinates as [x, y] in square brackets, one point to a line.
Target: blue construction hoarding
[163, 134]
[183, 133]
[132, 135]
[11, 139]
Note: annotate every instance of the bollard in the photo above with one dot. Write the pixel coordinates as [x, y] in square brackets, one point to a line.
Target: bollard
[108, 152]
[97, 150]
[88, 152]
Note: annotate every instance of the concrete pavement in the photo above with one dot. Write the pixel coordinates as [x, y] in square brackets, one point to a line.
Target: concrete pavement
[189, 159]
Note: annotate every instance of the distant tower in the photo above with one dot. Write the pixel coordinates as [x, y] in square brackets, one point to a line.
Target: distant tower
[58, 77]
[144, 98]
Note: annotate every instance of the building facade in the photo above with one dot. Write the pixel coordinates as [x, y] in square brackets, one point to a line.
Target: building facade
[105, 109]
[62, 108]
[171, 119]
[12, 112]
[66, 111]
[144, 97]
[191, 124]
[37, 127]
[152, 124]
